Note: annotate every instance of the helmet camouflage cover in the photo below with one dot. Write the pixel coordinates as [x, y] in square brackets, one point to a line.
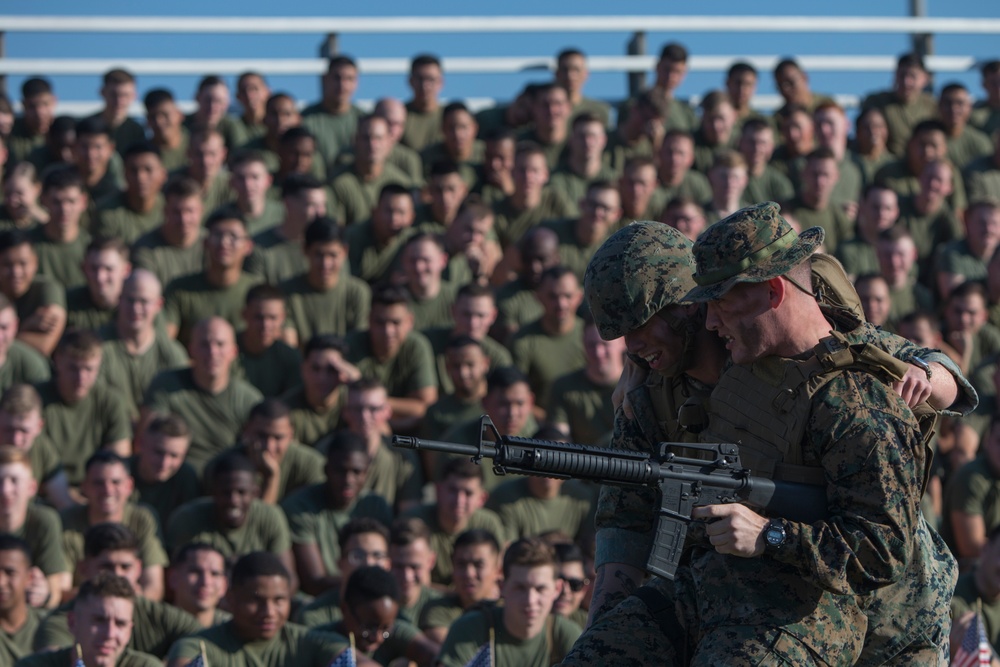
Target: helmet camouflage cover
[637, 271]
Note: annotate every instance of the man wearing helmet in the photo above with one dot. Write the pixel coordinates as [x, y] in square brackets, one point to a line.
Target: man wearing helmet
[636, 285]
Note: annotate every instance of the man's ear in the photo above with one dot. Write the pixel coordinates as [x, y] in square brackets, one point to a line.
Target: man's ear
[777, 291]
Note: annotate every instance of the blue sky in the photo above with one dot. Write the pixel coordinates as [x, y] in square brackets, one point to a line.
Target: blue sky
[608, 85]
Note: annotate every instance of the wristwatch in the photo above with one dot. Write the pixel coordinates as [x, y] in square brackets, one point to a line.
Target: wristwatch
[774, 533]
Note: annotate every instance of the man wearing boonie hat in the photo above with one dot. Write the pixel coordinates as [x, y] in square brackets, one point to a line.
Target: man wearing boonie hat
[804, 409]
[635, 286]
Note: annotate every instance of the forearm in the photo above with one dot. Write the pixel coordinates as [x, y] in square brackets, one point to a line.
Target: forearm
[614, 583]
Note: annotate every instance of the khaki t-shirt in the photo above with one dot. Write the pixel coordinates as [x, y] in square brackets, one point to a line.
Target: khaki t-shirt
[443, 543]
[61, 262]
[192, 298]
[294, 645]
[470, 632]
[80, 429]
[215, 420]
[265, 529]
[273, 372]
[312, 521]
[131, 374]
[136, 518]
[116, 219]
[337, 311]
[152, 252]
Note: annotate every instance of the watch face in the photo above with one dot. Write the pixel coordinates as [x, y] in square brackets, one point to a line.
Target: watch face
[775, 535]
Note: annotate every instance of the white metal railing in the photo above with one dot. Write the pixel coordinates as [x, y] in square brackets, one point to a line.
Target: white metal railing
[442, 24]
[476, 65]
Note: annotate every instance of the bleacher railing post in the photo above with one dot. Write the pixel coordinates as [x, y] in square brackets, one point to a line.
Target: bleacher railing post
[636, 47]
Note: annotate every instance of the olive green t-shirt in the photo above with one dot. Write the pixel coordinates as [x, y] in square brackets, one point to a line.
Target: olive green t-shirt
[80, 429]
[771, 185]
[45, 461]
[393, 647]
[83, 313]
[155, 627]
[434, 311]
[858, 257]
[517, 305]
[131, 374]
[273, 372]
[446, 412]
[835, 223]
[64, 657]
[58, 261]
[334, 133]
[573, 254]
[956, 257]
[44, 291]
[443, 543]
[441, 613]
[356, 199]
[164, 497]
[423, 128]
[22, 141]
[311, 425]
[24, 364]
[152, 252]
[983, 178]
[43, 531]
[574, 186]
[18, 644]
[968, 146]
[439, 337]
[544, 357]
[140, 520]
[511, 222]
[929, 231]
[192, 298]
[294, 645]
[470, 632]
[395, 474]
[967, 598]
[215, 420]
[974, 489]
[217, 194]
[270, 217]
[901, 117]
[312, 521]
[586, 406]
[230, 129]
[411, 369]
[280, 258]
[116, 219]
[265, 529]
[369, 261]
[300, 467]
[324, 608]
[525, 515]
[469, 169]
[896, 176]
[337, 311]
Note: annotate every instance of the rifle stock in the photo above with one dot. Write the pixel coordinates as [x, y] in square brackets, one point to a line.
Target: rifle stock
[683, 482]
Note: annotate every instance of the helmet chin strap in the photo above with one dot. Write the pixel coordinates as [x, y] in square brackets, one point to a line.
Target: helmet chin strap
[687, 327]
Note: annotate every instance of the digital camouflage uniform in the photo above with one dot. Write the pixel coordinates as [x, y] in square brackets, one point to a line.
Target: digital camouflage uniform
[625, 287]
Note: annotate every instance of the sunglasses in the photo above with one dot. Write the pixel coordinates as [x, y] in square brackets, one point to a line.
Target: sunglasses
[575, 585]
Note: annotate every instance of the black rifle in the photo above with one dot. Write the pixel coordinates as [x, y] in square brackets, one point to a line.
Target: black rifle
[683, 482]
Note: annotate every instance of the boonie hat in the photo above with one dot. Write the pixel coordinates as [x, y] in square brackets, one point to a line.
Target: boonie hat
[750, 246]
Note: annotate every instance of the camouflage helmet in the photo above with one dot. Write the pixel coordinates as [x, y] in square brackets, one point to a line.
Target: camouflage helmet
[752, 245]
[640, 269]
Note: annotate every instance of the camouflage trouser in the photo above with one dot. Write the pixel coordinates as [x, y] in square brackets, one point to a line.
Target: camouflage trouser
[629, 634]
[753, 646]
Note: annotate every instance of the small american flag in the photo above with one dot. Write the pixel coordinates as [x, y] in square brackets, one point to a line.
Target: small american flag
[345, 659]
[975, 648]
[201, 660]
[482, 658]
